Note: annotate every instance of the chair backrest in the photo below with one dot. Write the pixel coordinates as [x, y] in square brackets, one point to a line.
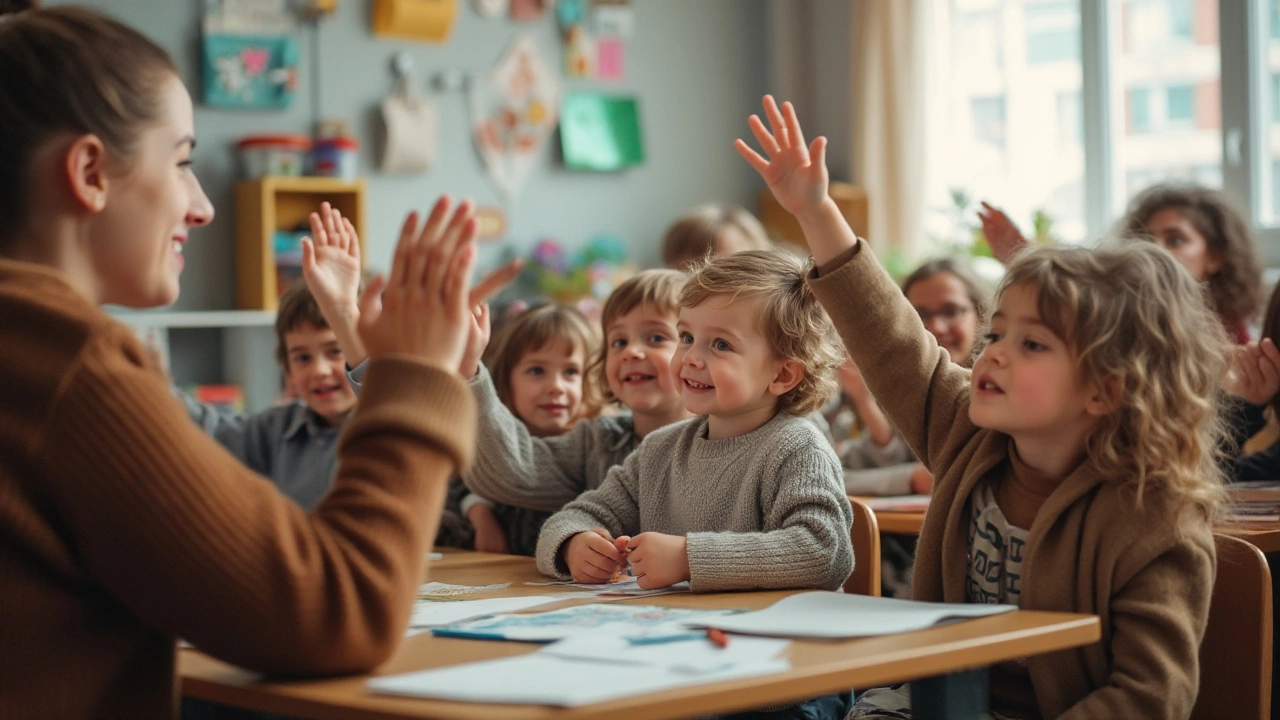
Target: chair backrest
[865, 578]
[1235, 657]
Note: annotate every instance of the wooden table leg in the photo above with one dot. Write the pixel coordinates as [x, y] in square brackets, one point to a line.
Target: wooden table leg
[958, 696]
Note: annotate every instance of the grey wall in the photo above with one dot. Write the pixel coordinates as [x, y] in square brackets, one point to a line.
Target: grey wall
[697, 66]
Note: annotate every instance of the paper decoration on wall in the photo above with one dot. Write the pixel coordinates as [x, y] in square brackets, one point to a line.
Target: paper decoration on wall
[429, 20]
[570, 13]
[610, 52]
[491, 8]
[525, 10]
[599, 132]
[579, 53]
[513, 111]
[411, 124]
[250, 55]
[491, 222]
[612, 17]
[250, 71]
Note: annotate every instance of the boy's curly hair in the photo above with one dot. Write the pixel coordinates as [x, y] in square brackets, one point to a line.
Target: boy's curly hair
[658, 289]
[792, 320]
[1136, 322]
[531, 331]
[1236, 288]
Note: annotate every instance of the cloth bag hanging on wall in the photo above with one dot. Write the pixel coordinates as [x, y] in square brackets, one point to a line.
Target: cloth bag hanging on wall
[411, 130]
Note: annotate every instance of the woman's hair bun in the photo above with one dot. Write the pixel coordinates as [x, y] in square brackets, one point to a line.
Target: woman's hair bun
[9, 7]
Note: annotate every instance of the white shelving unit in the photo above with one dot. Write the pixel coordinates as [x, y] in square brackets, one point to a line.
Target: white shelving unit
[248, 345]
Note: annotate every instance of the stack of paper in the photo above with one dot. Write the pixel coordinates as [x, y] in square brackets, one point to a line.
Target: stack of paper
[831, 615]
[620, 621]
[428, 613]
[628, 586]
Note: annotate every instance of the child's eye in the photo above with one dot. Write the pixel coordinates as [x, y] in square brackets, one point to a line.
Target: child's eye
[991, 337]
[535, 370]
[686, 338]
[658, 339]
[722, 346]
[302, 359]
[572, 372]
[1033, 346]
[335, 353]
[618, 343]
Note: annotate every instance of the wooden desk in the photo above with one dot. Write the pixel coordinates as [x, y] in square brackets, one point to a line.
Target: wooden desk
[818, 668]
[894, 522]
[1264, 536]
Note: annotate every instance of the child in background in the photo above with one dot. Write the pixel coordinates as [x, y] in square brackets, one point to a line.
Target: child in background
[516, 467]
[1202, 230]
[1256, 379]
[538, 372]
[1078, 464]
[748, 494]
[711, 230]
[296, 444]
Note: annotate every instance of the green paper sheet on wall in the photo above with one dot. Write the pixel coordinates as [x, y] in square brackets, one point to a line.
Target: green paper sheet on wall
[600, 132]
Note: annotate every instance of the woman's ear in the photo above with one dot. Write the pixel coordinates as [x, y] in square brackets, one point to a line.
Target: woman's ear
[788, 375]
[85, 162]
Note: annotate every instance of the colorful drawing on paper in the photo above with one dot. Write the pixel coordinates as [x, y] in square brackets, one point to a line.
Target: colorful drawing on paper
[630, 621]
[599, 132]
[610, 54]
[513, 111]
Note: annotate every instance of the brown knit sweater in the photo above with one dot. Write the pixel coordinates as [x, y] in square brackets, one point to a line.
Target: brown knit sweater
[123, 527]
[1146, 572]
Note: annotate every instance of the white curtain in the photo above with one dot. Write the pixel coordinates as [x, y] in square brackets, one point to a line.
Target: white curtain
[887, 93]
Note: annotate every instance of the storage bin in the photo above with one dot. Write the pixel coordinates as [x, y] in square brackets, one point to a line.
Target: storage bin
[335, 157]
[264, 155]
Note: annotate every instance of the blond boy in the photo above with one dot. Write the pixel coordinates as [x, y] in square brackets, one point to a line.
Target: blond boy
[748, 494]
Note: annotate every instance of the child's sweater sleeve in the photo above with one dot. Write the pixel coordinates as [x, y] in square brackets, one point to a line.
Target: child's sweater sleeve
[804, 541]
[1158, 616]
[514, 467]
[614, 506]
[922, 391]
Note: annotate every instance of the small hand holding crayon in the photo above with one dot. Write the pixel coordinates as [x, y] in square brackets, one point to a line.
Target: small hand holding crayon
[592, 556]
[658, 560]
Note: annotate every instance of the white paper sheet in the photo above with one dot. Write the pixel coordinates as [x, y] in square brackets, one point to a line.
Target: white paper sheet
[686, 656]
[628, 587]
[546, 680]
[595, 619]
[427, 613]
[838, 615]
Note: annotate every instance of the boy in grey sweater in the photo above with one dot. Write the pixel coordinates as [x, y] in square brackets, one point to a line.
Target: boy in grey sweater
[749, 494]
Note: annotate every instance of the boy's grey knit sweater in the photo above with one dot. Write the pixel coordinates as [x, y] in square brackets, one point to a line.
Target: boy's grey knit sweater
[762, 510]
[516, 468]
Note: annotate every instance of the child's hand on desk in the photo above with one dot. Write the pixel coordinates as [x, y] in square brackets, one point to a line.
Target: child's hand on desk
[592, 557]
[1255, 372]
[659, 560]
[423, 308]
[489, 534]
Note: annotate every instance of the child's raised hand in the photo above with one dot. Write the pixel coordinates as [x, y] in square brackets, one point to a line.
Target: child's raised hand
[796, 174]
[659, 560]
[1255, 372]
[1002, 235]
[331, 260]
[477, 340]
[423, 308]
[592, 557]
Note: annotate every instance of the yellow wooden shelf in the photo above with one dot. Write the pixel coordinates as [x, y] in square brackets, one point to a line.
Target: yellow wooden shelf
[267, 205]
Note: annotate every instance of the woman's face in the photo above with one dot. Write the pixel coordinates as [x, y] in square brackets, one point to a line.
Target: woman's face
[944, 305]
[136, 240]
[1173, 231]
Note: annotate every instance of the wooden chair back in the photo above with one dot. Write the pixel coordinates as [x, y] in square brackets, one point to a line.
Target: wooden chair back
[1235, 657]
[865, 578]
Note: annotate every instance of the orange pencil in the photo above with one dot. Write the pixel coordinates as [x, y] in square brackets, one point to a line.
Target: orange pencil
[717, 636]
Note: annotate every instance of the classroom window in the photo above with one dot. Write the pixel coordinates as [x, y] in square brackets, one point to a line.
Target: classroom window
[1053, 32]
[1070, 118]
[1180, 105]
[984, 47]
[989, 120]
[1275, 96]
[1139, 111]
[1181, 18]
